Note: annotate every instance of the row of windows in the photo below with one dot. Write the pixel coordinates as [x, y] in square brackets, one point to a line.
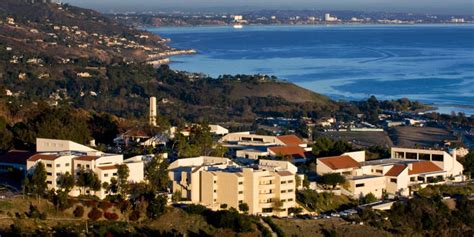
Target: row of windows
[289, 191]
[57, 165]
[289, 181]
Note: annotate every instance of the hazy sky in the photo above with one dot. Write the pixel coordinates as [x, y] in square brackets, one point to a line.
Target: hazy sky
[418, 6]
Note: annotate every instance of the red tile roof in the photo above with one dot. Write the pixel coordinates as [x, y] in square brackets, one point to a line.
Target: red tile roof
[294, 151]
[43, 157]
[396, 170]
[86, 158]
[291, 140]
[16, 157]
[424, 167]
[339, 162]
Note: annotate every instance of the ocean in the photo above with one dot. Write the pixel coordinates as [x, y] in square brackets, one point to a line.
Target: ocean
[433, 64]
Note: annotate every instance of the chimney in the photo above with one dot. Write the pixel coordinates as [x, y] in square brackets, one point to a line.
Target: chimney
[152, 111]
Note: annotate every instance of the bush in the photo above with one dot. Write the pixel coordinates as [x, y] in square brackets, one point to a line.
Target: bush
[94, 214]
[104, 205]
[134, 216]
[111, 216]
[195, 209]
[78, 212]
[123, 206]
[229, 219]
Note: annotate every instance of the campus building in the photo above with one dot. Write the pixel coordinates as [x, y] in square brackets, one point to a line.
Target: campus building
[252, 146]
[406, 170]
[268, 188]
[61, 157]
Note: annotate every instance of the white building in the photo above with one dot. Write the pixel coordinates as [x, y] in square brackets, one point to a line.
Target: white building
[329, 18]
[216, 182]
[61, 157]
[406, 170]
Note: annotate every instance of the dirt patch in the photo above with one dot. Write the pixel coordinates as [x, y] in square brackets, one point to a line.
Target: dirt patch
[362, 139]
[326, 227]
[420, 136]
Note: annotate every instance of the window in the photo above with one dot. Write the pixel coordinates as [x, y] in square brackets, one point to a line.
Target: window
[283, 191]
[215, 181]
[290, 190]
[438, 157]
[49, 182]
[360, 185]
[267, 210]
[78, 165]
[283, 182]
[58, 174]
[241, 201]
[421, 179]
[241, 192]
[411, 155]
[49, 174]
[87, 166]
[58, 165]
[290, 199]
[412, 179]
[393, 180]
[290, 181]
[106, 175]
[49, 165]
[379, 171]
[114, 174]
[424, 156]
[215, 191]
[240, 183]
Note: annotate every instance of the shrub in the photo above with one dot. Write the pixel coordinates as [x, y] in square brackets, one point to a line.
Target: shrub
[195, 209]
[94, 214]
[134, 216]
[78, 212]
[274, 227]
[104, 205]
[111, 216]
[123, 206]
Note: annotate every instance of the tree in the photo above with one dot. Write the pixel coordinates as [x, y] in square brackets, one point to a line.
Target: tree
[156, 206]
[66, 182]
[87, 179]
[332, 179]
[277, 205]
[469, 163]
[123, 172]
[244, 207]
[368, 198]
[156, 174]
[37, 182]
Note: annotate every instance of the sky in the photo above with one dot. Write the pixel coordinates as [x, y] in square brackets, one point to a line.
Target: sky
[415, 6]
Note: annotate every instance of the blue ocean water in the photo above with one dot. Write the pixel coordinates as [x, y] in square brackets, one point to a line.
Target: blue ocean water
[430, 63]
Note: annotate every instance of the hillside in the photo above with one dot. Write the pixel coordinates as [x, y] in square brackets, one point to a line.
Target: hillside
[60, 54]
[65, 33]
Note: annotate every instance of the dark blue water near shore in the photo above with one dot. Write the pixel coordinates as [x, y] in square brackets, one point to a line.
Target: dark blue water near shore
[430, 63]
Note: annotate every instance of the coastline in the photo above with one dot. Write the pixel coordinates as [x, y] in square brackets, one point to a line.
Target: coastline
[238, 66]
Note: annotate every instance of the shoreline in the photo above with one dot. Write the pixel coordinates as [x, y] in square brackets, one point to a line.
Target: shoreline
[145, 27]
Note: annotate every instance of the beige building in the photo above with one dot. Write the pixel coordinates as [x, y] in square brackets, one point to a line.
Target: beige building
[75, 157]
[268, 189]
[399, 175]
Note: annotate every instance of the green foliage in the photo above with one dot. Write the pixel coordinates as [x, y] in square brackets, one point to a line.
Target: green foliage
[323, 202]
[123, 172]
[156, 173]
[324, 146]
[243, 207]
[34, 213]
[6, 136]
[229, 219]
[88, 179]
[369, 198]
[103, 127]
[332, 180]
[468, 163]
[52, 122]
[66, 182]
[156, 206]
[36, 183]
